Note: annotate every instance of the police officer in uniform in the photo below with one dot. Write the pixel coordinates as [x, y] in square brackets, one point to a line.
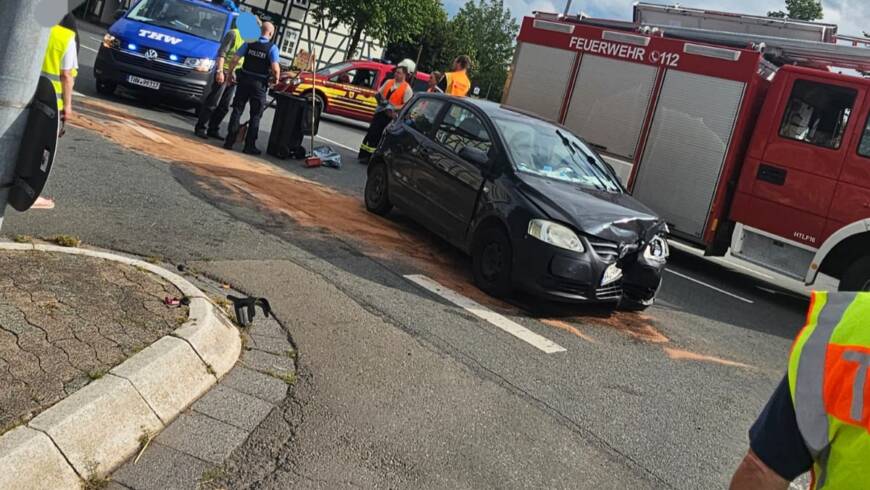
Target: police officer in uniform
[261, 62]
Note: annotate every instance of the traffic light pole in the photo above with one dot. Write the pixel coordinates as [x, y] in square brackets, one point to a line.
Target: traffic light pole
[21, 35]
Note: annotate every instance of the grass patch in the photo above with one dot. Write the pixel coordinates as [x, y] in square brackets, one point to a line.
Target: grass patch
[145, 439]
[96, 374]
[289, 378]
[66, 241]
[94, 481]
[211, 476]
[23, 239]
[291, 353]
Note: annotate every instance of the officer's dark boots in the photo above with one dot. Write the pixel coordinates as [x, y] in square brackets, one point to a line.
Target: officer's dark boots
[201, 133]
[230, 140]
[251, 150]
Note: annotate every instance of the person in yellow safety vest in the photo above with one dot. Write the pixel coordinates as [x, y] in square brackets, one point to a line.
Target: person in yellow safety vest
[60, 65]
[216, 100]
[818, 418]
[456, 82]
[392, 96]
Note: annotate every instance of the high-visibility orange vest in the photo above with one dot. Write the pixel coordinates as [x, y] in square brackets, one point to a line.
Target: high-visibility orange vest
[397, 98]
[457, 83]
[828, 380]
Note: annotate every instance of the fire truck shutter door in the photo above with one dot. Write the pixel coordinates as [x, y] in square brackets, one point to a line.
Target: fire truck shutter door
[540, 79]
[609, 103]
[688, 142]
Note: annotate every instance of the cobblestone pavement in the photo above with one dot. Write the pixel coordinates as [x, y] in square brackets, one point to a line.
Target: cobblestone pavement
[66, 319]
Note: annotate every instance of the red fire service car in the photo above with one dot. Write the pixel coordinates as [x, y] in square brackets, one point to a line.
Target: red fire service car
[733, 128]
[347, 89]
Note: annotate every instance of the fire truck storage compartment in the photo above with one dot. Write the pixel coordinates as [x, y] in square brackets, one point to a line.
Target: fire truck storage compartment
[690, 137]
[539, 79]
[609, 103]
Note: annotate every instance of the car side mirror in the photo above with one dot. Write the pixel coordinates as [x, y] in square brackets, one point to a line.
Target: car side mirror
[120, 13]
[475, 156]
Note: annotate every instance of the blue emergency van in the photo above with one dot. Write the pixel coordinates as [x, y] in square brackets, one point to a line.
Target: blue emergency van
[163, 47]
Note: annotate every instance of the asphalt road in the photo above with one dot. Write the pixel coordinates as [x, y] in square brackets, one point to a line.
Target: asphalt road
[662, 399]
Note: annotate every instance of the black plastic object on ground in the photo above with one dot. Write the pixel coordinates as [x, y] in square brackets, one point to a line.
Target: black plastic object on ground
[291, 123]
[246, 309]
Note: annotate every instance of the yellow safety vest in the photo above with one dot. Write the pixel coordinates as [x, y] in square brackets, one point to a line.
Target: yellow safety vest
[237, 44]
[58, 41]
[827, 376]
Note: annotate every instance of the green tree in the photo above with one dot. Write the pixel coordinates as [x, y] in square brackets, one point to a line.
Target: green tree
[387, 21]
[427, 49]
[800, 9]
[486, 31]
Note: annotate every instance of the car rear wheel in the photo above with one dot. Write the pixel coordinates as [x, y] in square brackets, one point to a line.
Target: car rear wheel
[377, 192]
[857, 276]
[492, 259]
[105, 87]
[320, 104]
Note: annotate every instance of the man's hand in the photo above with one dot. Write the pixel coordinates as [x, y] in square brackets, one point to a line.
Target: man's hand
[68, 113]
[233, 79]
[220, 78]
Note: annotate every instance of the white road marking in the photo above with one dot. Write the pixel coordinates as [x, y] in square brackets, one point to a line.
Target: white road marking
[147, 133]
[485, 313]
[79, 94]
[89, 48]
[714, 288]
[336, 143]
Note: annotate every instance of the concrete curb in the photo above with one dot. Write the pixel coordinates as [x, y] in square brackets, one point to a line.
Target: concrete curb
[94, 430]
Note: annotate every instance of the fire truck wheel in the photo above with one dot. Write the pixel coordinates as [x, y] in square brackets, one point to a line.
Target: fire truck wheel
[377, 192]
[106, 88]
[857, 276]
[492, 259]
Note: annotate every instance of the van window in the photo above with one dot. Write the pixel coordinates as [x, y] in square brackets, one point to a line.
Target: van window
[421, 116]
[864, 145]
[461, 128]
[817, 113]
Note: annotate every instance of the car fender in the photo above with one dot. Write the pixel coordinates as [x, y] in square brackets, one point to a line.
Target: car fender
[850, 230]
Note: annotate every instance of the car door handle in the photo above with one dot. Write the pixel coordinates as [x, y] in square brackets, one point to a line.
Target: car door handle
[772, 175]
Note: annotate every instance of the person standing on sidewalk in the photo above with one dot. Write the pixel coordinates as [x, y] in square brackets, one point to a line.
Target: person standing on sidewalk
[393, 94]
[216, 101]
[432, 85]
[819, 416]
[261, 61]
[456, 82]
[60, 65]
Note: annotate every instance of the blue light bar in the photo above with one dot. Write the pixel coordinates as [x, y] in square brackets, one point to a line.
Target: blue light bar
[131, 47]
[173, 57]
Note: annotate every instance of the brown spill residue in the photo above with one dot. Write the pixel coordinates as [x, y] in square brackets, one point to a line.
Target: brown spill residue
[633, 324]
[568, 328]
[684, 355]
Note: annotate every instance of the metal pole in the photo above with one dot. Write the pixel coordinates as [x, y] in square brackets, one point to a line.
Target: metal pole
[21, 36]
[567, 7]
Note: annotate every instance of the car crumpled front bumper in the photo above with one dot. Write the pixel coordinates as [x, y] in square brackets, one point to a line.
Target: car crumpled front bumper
[561, 275]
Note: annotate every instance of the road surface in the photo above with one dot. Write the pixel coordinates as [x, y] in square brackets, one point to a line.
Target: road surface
[431, 383]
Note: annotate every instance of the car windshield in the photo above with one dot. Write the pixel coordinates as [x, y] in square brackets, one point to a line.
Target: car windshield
[333, 69]
[181, 16]
[540, 148]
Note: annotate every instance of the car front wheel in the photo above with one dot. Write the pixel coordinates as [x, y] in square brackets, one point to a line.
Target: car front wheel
[492, 259]
[377, 193]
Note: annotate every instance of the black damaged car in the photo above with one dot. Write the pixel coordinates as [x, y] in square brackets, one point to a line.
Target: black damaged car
[536, 207]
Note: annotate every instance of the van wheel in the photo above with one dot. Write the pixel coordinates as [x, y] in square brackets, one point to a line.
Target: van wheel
[106, 88]
[377, 192]
[492, 261]
[857, 276]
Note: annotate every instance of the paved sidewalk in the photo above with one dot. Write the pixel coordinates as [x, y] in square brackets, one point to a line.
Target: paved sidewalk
[190, 453]
[66, 320]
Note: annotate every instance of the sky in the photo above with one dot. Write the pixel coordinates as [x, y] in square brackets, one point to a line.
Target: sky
[852, 16]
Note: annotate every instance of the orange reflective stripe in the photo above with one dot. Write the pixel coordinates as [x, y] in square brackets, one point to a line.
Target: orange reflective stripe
[845, 381]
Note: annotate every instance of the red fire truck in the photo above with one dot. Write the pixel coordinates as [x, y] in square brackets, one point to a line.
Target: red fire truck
[739, 138]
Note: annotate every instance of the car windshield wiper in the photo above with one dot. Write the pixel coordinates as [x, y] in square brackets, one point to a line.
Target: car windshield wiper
[587, 162]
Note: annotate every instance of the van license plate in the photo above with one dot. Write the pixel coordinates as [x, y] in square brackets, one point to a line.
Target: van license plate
[143, 82]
